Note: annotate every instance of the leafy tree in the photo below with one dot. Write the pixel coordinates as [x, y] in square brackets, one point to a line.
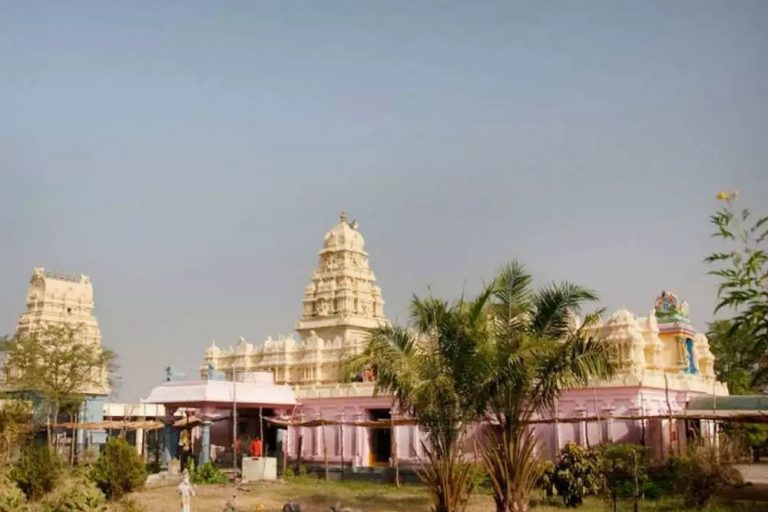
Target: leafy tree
[14, 416]
[503, 356]
[736, 355]
[534, 348]
[56, 366]
[743, 273]
[624, 470]
[426, 368]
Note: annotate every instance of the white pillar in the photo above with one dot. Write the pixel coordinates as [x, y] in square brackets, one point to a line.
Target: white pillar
[139, 443]
[581, 412]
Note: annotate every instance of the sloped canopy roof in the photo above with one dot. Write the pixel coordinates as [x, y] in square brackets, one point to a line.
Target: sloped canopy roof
[216, 393]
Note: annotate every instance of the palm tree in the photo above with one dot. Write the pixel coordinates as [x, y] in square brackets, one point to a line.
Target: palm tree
[425, 368]
[534, 348]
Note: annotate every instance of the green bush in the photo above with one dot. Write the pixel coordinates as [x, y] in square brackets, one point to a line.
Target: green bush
[624, 471]
[547, 478]
[11, 497]
[119, 469]
[130, 505]
[37, 471]
[208, 474]
[576, 474]
[79, 495]
[700, 472]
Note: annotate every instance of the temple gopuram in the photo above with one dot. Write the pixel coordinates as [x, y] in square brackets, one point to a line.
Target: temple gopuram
[57, 299]
[342, 304]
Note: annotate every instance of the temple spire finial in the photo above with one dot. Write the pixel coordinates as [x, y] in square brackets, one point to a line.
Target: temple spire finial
[343, 216]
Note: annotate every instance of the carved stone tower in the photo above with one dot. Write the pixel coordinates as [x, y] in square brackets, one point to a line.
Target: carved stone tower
[342, 300]
[59, 299]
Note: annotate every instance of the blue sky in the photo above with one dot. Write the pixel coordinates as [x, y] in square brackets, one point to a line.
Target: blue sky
[189, 156]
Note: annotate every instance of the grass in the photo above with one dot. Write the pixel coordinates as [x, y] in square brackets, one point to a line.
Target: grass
[316, 495]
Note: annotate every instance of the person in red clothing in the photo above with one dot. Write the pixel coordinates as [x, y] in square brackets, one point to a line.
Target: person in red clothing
[255, 447]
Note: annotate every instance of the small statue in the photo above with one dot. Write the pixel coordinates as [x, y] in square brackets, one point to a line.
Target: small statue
[172, 373]
[185, 492]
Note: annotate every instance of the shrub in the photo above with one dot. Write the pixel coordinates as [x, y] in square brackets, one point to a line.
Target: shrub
[119, 469]
[79, 495]
[700, 472]
[38, 470]
[130, 505]
[208, 474]
[11, 497]
[547, 479]
[624, 471]
[577, 474]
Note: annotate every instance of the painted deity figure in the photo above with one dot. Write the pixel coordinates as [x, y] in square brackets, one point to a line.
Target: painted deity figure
[185, 492]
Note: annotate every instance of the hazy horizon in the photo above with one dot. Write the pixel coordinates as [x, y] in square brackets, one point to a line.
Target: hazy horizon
[190, 156]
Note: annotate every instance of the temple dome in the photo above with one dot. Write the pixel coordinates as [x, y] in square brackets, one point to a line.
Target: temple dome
[344, 236]
[621, 317]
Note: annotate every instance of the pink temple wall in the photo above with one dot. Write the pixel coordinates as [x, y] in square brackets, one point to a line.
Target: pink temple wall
[572, 403]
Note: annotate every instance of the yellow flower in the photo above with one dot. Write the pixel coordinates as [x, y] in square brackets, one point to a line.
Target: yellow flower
[726, 196]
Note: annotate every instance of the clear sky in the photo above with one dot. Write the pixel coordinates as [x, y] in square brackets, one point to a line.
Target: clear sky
[189, 156]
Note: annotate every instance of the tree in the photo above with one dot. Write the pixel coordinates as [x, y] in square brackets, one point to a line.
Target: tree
[55, 366]
[743, 273]
[736, 361]
[534, 348]
[14, 416]
[426, 368]
[502, 356]
[736, 357]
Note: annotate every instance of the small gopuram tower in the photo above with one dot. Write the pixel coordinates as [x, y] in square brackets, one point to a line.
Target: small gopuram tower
[342, 301]
[60, 299]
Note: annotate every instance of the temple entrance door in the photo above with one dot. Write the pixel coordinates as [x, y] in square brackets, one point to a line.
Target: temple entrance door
[380, 439]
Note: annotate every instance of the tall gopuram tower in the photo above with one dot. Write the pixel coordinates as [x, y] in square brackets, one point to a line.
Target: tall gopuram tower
[55, 299]
[342, 300]
[341, 306]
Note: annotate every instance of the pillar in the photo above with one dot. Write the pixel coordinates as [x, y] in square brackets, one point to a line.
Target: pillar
[359, 436]
[205, 443]
[139, 443]
[608, 415]
[581, 412]
[555, 432]
[169, 450]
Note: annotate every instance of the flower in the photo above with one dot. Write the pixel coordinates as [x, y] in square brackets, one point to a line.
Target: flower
[726, 196]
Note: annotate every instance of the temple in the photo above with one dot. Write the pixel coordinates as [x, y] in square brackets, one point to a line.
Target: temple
[342, 304]
[663, 363]
[56, 299]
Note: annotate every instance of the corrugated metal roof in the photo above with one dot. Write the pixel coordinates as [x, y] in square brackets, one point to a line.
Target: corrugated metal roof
[729, 403]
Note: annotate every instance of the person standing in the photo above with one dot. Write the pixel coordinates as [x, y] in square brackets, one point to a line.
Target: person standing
[255, 447]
